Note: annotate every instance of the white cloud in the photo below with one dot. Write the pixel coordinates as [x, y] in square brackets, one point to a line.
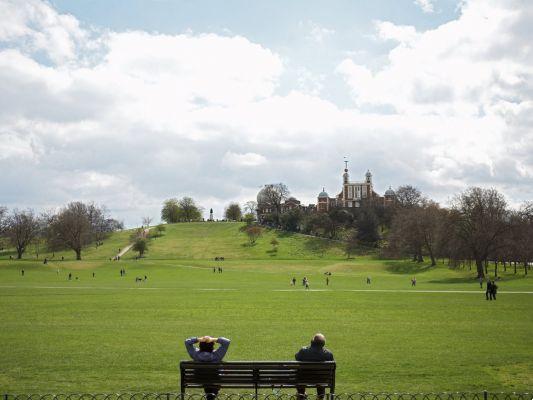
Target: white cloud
[236, 160]
[35, 26]
[400, 33]
[426, 5]
[154, 116]
[316, 32]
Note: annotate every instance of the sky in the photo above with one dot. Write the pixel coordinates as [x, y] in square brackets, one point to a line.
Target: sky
[130, 102]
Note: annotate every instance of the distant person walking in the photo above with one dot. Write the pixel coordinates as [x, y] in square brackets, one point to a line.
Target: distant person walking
[413, 281]
[493, 290]
[22, 272]
[368, 280]
[480, 282]
[293, 281]
[70, 276]
[327, 281]
[488, 290]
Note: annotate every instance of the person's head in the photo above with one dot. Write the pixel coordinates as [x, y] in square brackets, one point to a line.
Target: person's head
[319, 340]
[207, 346]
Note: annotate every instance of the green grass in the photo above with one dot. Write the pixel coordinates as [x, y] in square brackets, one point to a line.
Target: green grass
[110, 334]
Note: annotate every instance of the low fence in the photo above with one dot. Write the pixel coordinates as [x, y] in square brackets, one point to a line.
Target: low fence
[485, 395]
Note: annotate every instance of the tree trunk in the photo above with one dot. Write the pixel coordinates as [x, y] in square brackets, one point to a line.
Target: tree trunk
[495, 270]
[433, 262]
[515, 267]
[78, 254]
[486, 267]
[20, 251]
[479, 267]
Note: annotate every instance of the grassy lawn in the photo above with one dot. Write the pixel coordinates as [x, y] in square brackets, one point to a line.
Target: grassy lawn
[111, 334]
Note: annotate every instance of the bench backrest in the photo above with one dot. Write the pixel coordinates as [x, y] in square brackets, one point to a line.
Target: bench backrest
[258, 374]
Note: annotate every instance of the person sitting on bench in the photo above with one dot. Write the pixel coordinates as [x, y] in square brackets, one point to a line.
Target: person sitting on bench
[315, 352]
[207, 353]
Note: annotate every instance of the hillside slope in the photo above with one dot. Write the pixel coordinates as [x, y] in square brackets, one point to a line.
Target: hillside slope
[203, 240]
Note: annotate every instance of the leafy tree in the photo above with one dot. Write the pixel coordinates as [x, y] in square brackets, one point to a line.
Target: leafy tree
[180, 210]
[160, 229]
[22, 228]
[140, 245]
[189, 210]
[291, 220]
[170, 213]
[367, 226]
[249, 219]
[233, 212]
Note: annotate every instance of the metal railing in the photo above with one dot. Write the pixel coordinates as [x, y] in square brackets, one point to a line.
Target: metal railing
[485, 395]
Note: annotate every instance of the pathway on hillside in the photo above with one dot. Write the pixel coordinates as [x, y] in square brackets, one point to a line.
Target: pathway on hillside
[129, 246]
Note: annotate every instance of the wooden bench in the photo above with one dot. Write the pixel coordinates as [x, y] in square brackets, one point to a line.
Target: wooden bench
[258, 375]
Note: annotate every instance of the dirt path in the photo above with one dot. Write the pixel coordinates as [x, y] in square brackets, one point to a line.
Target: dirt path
[129, 246]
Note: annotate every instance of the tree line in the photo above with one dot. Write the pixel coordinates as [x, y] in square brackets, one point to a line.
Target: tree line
[73, 227]
[478, 227]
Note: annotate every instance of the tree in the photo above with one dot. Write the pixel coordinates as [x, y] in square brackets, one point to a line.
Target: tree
[147, 221]
[233, 212]
[22, 228]
[272, 196]
[290, 220]
[180, 210]
[160, 229]
[408, 196]
[253, 232]
[250, 207]
[170, 213]
[352, 244]
[140, 245]
[417, 230]
[71, 227]
[189, 210]
[3, 219]
[367, 226]
[481, 220]
[249, 219]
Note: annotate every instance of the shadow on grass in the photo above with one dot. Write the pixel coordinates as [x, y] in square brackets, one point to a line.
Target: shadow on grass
[473, 279]
[407, 267]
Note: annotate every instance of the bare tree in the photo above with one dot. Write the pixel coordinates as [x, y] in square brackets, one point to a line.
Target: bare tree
[408, 196]
[22, 228]
[71, 227]
[272, 196]
[250, 207]
[147, 221]
[481, 220]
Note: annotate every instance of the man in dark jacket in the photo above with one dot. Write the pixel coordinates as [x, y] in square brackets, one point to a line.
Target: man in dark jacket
[207, 353]
[488, 291]
[314, 352]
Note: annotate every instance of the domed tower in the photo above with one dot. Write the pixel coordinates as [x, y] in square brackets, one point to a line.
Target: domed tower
[368, 176]
[390, 196]
[323, 201]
